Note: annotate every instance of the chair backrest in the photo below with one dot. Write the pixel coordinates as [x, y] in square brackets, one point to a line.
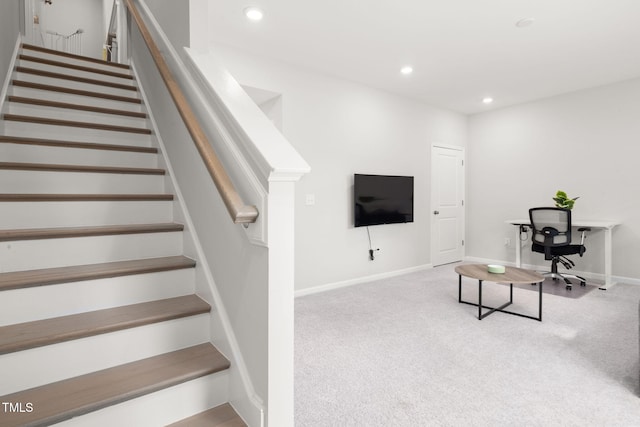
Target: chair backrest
[551, 226]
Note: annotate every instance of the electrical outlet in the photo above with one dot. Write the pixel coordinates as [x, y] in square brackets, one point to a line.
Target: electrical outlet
[507, 241]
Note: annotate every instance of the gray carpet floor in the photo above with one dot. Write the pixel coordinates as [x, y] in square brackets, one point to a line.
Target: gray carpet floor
[404, 352]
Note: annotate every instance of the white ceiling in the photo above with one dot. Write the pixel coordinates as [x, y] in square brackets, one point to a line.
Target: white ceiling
[460, 50]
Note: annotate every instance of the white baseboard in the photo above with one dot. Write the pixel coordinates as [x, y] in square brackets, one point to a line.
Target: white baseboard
[586, 274]
[358, 280]
[374, 277]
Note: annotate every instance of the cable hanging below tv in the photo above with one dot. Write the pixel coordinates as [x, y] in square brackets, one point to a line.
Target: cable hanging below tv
[382, 199]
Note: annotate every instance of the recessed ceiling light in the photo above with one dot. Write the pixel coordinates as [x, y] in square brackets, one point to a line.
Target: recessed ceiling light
[525, 22]
[253, 13]
[406, 70]
[487, 100]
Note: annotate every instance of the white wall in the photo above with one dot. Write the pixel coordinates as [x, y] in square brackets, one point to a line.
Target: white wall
[342, 128]
[199, 25]
[173, 17]
[66, 16]
[9, 28]
[586, 143]
[107, 8]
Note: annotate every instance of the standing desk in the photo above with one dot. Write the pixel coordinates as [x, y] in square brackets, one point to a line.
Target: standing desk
[607, 226]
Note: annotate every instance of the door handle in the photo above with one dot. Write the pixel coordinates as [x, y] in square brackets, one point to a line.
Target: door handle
[436, 212]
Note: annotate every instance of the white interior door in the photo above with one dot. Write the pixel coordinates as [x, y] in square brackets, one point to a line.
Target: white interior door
[447, 204]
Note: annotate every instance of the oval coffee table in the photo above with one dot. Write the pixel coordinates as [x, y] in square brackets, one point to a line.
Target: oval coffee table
[511, 275]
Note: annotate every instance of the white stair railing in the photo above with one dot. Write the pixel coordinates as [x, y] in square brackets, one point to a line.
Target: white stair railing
[71, 43]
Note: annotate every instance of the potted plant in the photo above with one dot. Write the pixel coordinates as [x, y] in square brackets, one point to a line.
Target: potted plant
[563, 201]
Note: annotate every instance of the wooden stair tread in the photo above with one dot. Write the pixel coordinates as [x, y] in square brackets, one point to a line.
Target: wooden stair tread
[100, 230]
[220, 416]
[81, 107]
[38, 333]
[73, 144]
[61, 89]
[71, 123]
[71, 55]
[76, 273]
[77, 396]
[32, 197]
[49, 167]
[61, 76]
[30, 58]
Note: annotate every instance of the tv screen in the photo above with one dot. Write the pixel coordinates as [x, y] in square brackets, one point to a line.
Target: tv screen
[382, 199]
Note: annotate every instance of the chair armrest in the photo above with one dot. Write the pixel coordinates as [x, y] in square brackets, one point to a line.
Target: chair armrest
[583, 230]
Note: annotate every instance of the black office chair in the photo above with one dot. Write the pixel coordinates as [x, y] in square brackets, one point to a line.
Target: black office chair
[552, 237]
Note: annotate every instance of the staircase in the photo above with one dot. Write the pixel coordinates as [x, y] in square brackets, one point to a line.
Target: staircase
[99, 321]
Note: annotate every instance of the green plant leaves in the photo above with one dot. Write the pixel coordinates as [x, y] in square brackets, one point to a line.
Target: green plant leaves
[563, 201]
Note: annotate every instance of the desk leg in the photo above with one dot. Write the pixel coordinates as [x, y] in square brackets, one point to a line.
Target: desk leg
[480, 300]
[518, 243]
[608, 262]
[540, 301]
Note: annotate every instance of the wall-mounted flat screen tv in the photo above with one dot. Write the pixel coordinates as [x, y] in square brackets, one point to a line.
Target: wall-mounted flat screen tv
[382, 199]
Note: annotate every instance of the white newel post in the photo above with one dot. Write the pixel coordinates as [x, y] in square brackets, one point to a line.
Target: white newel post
[281, 304]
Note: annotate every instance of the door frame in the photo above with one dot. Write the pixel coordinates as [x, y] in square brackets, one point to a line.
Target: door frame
[463, 186]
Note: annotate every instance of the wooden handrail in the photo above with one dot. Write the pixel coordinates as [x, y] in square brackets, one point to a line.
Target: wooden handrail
[239, 211]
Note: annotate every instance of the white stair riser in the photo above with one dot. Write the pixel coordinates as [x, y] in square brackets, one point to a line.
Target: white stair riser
[31, 368]
[17, 181]
[80, 214]
[72, 61]
[43, 302]
[74, 99]
[26, 153]
[76, 134]
[162, 407]
[76, 73]
[75, 115]
[53, 81]
[47, 253]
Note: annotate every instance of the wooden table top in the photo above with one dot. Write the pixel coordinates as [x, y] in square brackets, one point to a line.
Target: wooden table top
[511, 274]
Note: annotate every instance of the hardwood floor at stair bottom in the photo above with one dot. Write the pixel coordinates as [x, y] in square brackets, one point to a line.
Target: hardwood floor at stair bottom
[220, 416]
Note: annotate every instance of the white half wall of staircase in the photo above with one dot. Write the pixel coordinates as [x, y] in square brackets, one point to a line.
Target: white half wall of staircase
[250, 285]
[9, 30]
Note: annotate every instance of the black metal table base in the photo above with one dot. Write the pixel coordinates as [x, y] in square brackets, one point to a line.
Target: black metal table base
[482, 315]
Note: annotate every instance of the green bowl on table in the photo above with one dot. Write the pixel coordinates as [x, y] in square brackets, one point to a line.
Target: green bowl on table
[496, 269]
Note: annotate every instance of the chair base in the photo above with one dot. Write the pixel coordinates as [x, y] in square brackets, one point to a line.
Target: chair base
[564, 276]
[557, 276]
